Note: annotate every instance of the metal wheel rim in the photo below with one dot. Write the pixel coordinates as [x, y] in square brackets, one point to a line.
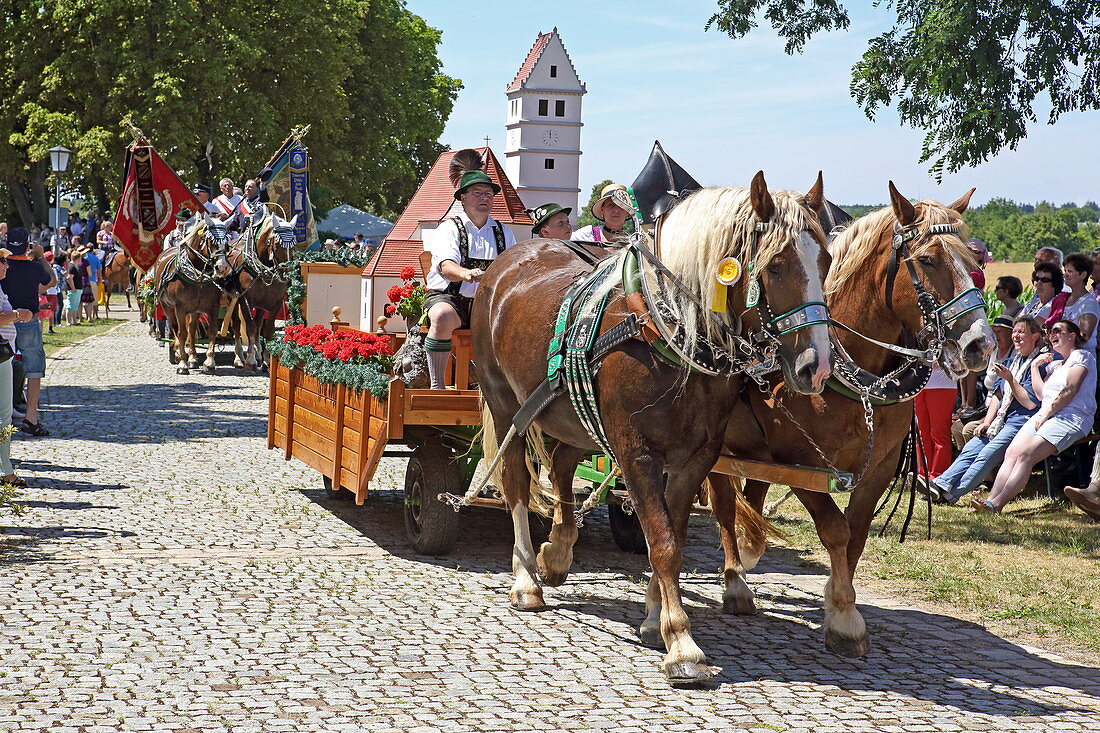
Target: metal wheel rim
[414, 503]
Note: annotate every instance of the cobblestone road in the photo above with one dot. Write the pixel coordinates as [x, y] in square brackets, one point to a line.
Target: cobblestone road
[174, 575]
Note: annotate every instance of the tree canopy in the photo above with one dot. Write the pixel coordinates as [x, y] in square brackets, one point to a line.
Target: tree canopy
[969, 74]
[216, 86]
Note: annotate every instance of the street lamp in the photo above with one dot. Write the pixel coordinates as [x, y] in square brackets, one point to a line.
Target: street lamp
[59, 157]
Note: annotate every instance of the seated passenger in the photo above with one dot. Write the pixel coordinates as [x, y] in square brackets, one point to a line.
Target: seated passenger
[462, 249]
[551, 221]
[1068, 393]
[1011, 402]
[613, 208]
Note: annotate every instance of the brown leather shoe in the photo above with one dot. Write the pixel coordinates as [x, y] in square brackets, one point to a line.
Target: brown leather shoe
[1087, 499]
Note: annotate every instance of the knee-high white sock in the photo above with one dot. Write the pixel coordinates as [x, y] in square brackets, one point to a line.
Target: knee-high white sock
[437, 351]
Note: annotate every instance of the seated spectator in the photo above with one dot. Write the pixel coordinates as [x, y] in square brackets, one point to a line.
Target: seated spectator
[1011, 402]
[1048, 254]
[1081, 307]
[1068, 394]
[1049, 300]
[1007, 290]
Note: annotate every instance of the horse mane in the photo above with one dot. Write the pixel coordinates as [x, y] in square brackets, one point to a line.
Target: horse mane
[714, 223]
[859, 241]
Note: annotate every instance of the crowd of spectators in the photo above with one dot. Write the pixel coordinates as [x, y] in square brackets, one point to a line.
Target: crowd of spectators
[1036, 399]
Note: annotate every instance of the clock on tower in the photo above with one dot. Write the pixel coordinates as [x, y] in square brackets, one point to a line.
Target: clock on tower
[550, 138]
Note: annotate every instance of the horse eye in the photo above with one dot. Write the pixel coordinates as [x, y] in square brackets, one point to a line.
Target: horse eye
[927, 260]
[774, 270]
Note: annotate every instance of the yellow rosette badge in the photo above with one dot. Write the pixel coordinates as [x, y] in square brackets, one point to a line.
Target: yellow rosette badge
[729, 272]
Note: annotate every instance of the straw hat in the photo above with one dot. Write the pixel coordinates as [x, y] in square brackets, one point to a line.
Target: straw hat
[614, 193]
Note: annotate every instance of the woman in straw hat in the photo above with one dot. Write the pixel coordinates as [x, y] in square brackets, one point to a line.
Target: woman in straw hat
[613, 208]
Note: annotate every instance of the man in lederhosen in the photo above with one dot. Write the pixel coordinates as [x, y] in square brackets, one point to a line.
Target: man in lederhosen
[462, 249]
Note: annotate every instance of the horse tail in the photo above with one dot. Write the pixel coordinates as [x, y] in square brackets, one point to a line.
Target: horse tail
[753, 528]
[542, 499]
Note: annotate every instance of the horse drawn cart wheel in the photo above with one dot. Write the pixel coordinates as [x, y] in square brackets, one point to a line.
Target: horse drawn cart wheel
[626, 530]
[337, 494]
[432, 525]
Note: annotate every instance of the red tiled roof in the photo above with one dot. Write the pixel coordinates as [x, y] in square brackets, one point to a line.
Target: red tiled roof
[530, 61]
[392, 256]
[436, 196]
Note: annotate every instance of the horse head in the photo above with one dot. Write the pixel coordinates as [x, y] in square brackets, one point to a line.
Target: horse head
[766, 252]
[215, 247]
[953, 310]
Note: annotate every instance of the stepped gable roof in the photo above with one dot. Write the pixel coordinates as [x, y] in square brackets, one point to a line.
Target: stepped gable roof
[431, 202]
[529, 62]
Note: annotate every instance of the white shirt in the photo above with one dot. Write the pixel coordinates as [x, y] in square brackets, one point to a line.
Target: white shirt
[227, 205]
[1085, 305]
[444, 246]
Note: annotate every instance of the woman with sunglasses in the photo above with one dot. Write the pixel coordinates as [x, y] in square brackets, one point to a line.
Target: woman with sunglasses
[1067, 393]
[1007, 290]
[1049, 300]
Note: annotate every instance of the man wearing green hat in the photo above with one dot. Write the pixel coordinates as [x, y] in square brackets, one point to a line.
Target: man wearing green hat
[174, 236]
[551, 221]
[462, 249]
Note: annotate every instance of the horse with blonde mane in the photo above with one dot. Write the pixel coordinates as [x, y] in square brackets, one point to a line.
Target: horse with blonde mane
[662, 420]
[899, 276]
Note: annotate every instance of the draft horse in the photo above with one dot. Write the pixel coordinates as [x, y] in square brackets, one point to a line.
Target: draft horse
[117, 273]
[663, 422]
[259, 260]
[190, 281]
[900, 277]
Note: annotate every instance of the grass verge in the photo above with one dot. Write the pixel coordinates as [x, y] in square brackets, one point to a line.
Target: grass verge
[1030, 574]
[64, 336]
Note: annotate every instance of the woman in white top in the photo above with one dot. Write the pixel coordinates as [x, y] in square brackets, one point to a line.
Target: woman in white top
[613, 208]
[8, 317]
[1081, 308]
[1068, 396]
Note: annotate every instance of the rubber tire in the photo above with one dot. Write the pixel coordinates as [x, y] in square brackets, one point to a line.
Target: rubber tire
[340, 494]
[626, 530]
[431, 525]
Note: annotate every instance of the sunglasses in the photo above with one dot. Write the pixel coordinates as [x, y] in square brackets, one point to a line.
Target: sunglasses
[1042, 279]
[1058, 330]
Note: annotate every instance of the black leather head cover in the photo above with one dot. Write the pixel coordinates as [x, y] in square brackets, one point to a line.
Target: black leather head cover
[660, 185]
[832, 216]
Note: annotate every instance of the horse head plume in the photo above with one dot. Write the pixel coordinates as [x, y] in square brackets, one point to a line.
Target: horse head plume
[463, 162]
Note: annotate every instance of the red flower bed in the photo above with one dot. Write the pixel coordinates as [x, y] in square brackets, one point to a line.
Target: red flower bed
[346, 346]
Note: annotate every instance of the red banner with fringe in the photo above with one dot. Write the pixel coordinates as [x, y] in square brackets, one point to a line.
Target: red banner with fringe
[152, 195]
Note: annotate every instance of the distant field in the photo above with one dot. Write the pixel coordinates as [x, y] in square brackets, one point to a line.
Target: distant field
[995, 270]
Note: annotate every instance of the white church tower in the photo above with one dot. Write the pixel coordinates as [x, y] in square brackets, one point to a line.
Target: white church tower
[543, 145]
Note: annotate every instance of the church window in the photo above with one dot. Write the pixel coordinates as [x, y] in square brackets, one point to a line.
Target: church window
[553, 72]
[559, 108]
[544, 107]
[548, 164]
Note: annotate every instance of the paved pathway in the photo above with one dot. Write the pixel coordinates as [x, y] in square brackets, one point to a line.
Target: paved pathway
[174, 575]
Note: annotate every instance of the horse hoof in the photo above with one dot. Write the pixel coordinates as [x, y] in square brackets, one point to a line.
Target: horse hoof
[688, 674]
[206, 370]
[528, 602]
[739, 606]
[183, 370]
[650, 636]
[846, 646]
[551, 577]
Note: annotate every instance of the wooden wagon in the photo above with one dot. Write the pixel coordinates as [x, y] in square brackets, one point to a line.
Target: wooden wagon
[344, 434]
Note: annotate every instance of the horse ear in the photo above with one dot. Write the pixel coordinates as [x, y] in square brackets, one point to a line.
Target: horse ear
[904, 211]
[815, 199]
[963, 202]
[293, 221]
[761, 200]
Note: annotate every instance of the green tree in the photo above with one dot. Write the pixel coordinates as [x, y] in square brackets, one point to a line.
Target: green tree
[585, 218]
[966, 73]
[216, 86]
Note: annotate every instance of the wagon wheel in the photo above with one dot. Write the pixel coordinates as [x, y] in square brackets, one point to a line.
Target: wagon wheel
[432, 526]
[626, 530]
[337, 494]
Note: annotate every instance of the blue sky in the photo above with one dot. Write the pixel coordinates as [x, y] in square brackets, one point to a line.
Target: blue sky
[725, 109]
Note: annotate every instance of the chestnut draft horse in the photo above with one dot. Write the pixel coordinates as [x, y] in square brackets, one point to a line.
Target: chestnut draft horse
[879, 263]
[116, 273]
[258, 260]
[663, 423]
[188, 280]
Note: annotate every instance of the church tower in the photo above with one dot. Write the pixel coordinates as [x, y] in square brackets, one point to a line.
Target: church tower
[543, 144]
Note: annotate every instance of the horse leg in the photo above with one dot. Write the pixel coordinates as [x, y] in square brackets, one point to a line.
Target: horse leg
[179, 340]
[556, 554]
[663, 512]
[213, 328]
[845, 631]
[737, 597]
[515, 485]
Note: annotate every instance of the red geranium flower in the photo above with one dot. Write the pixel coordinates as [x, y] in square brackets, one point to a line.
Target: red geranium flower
[408, 273]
